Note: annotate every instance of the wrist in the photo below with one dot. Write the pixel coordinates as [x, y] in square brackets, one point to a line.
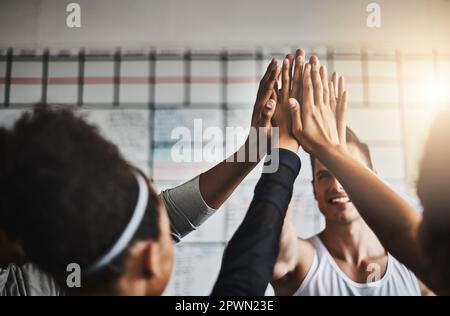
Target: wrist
[289, 143]
[329, 152]
[249, 153]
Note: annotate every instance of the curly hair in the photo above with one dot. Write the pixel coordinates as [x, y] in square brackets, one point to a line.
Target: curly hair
[69, 194]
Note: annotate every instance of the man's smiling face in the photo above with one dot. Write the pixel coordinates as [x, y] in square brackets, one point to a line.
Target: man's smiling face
[333, 201]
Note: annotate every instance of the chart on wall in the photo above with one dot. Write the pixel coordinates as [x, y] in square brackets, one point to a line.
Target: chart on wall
[138, 98]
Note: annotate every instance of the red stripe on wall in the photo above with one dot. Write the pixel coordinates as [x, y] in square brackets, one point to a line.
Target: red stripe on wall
[62, 80]
[26, 80]
[177, 80]
[100, 80]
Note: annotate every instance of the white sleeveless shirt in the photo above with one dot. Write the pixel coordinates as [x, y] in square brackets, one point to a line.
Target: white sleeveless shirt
[326, 278]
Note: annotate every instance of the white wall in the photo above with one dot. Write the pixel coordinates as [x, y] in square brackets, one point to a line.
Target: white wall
[408, 25]
[213, 23]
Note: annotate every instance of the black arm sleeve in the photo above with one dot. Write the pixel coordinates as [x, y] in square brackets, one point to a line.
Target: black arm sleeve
[251, 254]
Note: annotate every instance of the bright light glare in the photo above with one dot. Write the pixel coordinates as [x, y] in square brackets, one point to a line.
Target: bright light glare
[437, 93]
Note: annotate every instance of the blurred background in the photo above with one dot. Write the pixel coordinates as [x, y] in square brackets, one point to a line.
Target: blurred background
[138, 69]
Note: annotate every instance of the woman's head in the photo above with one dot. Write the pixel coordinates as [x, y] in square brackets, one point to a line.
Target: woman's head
[69, 197]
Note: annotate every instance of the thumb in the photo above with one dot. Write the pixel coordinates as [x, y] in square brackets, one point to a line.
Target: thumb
[340, 118]
[295, 116]
[268, 111]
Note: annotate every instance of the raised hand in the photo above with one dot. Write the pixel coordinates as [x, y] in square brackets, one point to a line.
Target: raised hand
[320, 120]
[263, 112]
[291, 86]
[337, 101]
[265, 103]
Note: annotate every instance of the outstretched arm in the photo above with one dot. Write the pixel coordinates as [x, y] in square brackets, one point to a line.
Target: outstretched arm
[295, 255]
[250, 256]
[192, 203]
[320, 127]
[217, 184]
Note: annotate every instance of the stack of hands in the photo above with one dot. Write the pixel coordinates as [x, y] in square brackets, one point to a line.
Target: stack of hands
[309, 109]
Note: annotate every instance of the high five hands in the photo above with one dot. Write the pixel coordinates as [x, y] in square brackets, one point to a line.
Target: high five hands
[310, 110]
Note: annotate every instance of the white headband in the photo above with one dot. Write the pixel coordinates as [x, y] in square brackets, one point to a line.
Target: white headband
[130, 230]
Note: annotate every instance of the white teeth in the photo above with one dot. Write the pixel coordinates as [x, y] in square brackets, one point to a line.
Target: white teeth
[340, 200]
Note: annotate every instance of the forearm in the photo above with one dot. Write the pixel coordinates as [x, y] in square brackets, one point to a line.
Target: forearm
[192, 203]
[249, 258]
[392, 219]
[219, 182]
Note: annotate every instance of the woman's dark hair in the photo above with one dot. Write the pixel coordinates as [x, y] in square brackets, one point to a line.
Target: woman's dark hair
[69, 194]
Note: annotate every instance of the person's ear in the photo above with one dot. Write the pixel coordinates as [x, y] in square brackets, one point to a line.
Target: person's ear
[152, 259]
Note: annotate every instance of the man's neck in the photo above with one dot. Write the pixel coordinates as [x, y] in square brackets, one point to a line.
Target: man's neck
[351, 242]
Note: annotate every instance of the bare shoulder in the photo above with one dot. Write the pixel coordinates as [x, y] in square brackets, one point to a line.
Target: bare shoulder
[424, 290]
[306, 257]
[289, 284]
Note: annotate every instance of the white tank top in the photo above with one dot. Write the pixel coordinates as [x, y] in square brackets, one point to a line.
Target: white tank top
[326, 278]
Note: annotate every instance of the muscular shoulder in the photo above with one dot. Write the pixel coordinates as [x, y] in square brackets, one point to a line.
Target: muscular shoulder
[288, 284]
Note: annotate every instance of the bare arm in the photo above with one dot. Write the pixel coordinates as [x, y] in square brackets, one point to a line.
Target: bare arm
[424, 290]
[288, 256]
[392, 219]
[192, 203]
[219, 182]
[320, 127]
[293, 262]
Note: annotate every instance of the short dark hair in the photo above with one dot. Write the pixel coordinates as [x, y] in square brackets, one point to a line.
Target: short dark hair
[351, 137]
[69, 194]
